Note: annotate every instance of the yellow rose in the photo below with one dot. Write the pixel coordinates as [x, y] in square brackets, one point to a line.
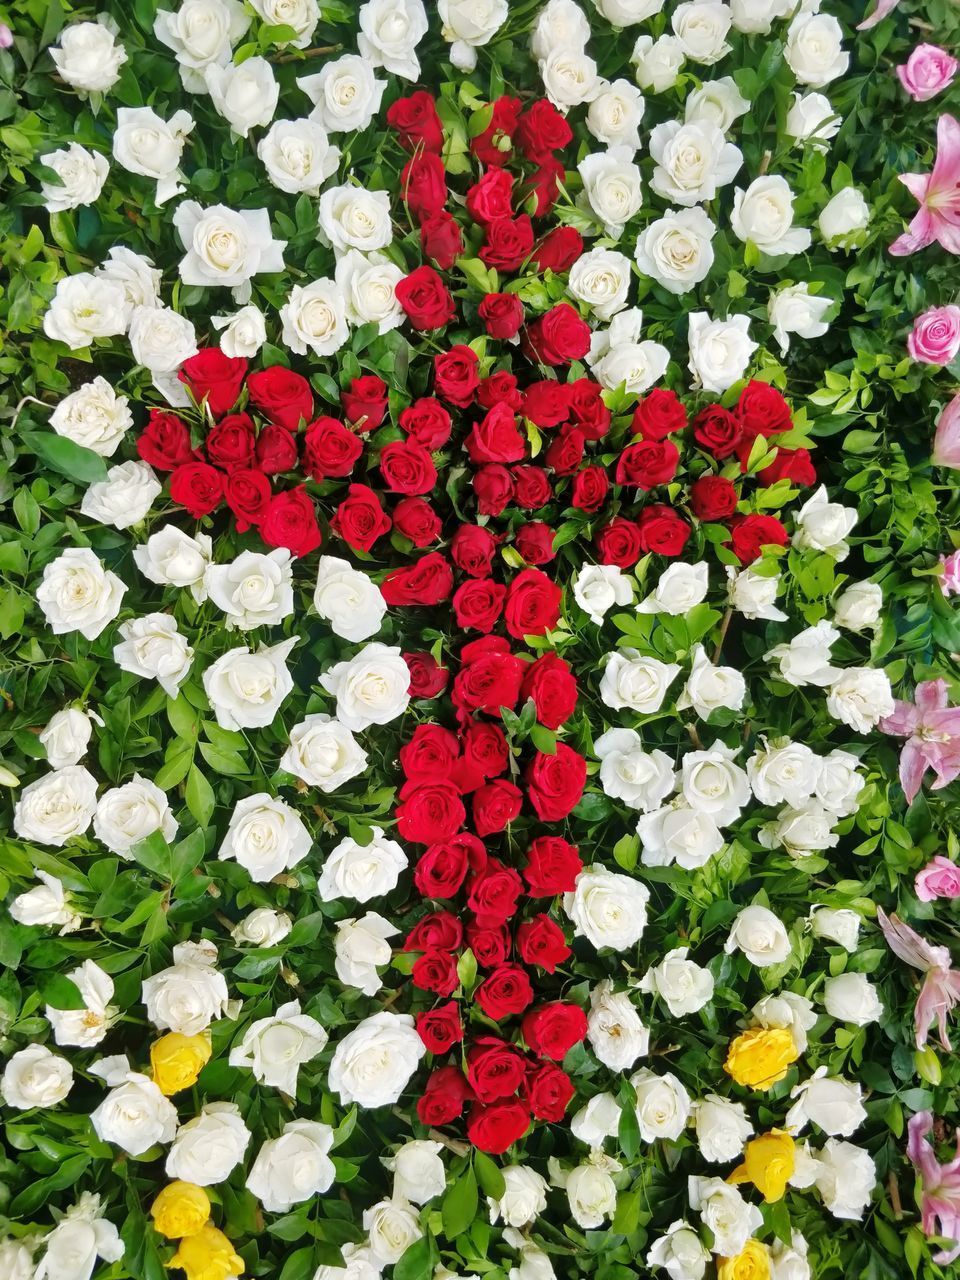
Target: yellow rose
[760, 1057]
[177, 1060]
[752, 1264]
[768, 1162]
[181, 1209]
[208, 1255]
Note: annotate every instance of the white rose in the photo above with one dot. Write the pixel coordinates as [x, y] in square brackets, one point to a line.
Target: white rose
[814, 49]
[639, 778]
[763, 214]
[598, 587]
[161, 340]
[189, 994]
[788, 1011]
[616, 1034]
[136, 275]
[720, 350]
[293, 1167]
[314, 318]
[246, 688]
[786, 774]
[560, 24]
[789, 1261]
[618, 357]
[709, 688]
[598, 1120]
[812, 119]
[840, 925]
[85, 307]
[845, 1178]
[54, 809]
[128, 814]
[124, 498]
[361, 948]
[134, 1115]
[794, 309]
[418, 1172]
[373, 1064]
[658, 63]
[209, 1147]
[254, 590]
[16, 1259]
[611, 188]
[680, 983]
[354, 218]
[66, 736]
[390, 31]
[823, 525]
[469, 24]
[627, 13]
[677, 249]
[35, 1077]
[591, 1193]
[711, 783]
[152, 647]
[663, 1105]
[858, 608]
[860, 697]
[245, 95]
[722, 1128]
[843, 219]
[524, 1196]
[753, 594]
[533, 1263]
[298, 156]
[89, 58]
[851, 997]
[145, 143]
[757, 16]
[693, 161]
[265, 836]
[171, 557]
[46, 904]
[570, 77]
[324, 753]
[226, 246]
[680, 1252]
[201, 33]
[681, 587]
[701, 29]
[724, 1211]
[87, 1026]
[368, 285]
[830, 1102]
[263, 927]
[601, 279]
[302, 15]
[634, 681]
[345, 94]
[391, 1227]
[718, 102]
[275, 1048]
[607, 909]
[806, 658]
[361, 872]
[372, 687]
[615, 115]
[801, 831]
[82, 174]
[80, 1237]
[93, 416]
[348, 599]
[242, 334]
[678, 833]
[760, 935]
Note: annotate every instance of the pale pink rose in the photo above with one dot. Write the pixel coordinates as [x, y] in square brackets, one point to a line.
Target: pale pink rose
[940, 878]
[950, 573]
[936, 335]
[928, 71]
[946, 442]
[6, 36]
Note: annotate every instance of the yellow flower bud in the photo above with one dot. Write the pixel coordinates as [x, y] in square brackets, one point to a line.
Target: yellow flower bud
[760, 1057]
[7, 777]
[768, 1162]
[177, 1060]
[181, 1209]
[752, 1264]
[208, 1255]
[927, 1065]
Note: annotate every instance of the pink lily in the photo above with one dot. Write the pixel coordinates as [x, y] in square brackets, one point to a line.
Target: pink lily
[940, 1202]
[932, 730]
[946, 442]
[938, 194]
[883, 8]
[941, 984]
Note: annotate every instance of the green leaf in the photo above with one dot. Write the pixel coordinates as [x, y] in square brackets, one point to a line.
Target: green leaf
[63, 455]
[488, 1175]
[459, 1206]
[199, 796]
[417, 1262]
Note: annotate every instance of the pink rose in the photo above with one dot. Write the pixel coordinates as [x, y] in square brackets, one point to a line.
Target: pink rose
[946, 442]
[940, 878]
[927, 72]
[936, 335]
[950, 574]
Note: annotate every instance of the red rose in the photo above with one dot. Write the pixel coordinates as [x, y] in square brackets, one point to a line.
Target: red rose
[430, 753]
[429, 812]
[282, 396]
[477, 605]
[502, 314]
[416, 122]
[426, 582]
[587, 410]
[559, 336]
[542, 130]
[230, 443]
[427, 677]
[213, 376]
[417, 520]
[290, 521]
[428, 422]
[495, 1069]
[507, 243]
[406, 467]
[440, 1028]
[495, 805]
[544, 184]
[198, 487]
[485, 748]
[559, 249]
[762, 410]
[493, 488]
[489, 198]
[566, 451]
[713, 498]
[276, 450]
[423, 185]
[489, 677]
[553, 1029]
[750, 534]
[532, 487]
[658, 415]
[425, 299]
[490, 946]
[493, 893]
[496, 438]
[495, 1128]
[165, 441]
[552, 867]
[648, 463]
[365, 404]
[441, 240]
[551, 684]
[247, 494]
[455, 375]
[618, 543]
[547, 402]
[534, 542]
[794, 465]
[330, 449]
[548, 1091]
[505, 991]
[444, 1097]
[716, 430]
[533, 604]
[662, 531]
[590, 489]
[359, 519]
[499, 387]
[438, 929]
[436, 971]
[472, 549]
[443, 868]
[541, 941]
[555, 783]
[492, 147]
